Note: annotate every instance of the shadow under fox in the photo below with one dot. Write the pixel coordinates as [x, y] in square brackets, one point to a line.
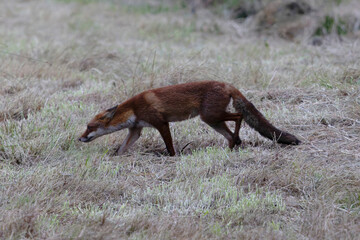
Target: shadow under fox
[157, 107]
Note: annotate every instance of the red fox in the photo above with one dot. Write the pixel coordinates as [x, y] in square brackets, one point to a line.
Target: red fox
[157, 107]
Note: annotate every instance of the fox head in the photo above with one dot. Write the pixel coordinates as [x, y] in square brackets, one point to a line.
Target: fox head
[107, 122]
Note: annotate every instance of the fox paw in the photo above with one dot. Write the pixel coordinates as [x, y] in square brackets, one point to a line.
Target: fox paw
[237, 140]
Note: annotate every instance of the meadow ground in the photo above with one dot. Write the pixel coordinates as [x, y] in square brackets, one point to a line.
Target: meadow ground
[61, 62]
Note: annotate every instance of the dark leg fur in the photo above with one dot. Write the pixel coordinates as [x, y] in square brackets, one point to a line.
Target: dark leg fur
[166, 135]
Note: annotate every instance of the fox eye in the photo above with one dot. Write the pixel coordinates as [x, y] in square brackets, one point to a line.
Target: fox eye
[92, 126]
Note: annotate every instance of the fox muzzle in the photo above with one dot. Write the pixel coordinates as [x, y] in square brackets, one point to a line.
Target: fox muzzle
[85, 139]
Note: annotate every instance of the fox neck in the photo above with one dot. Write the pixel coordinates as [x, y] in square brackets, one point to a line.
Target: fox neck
[114, 124]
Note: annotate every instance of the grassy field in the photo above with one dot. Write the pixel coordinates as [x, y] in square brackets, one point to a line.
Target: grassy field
[61, 62]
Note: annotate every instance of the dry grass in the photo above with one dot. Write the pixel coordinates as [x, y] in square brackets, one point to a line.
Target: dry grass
[63, 61]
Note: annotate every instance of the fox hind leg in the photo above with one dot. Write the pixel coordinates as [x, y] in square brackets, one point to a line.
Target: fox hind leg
[223, 129]
[236, 136]
[215, 115]
[237, 118]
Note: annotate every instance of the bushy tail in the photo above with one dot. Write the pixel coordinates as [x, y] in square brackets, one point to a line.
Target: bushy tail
[257, 121]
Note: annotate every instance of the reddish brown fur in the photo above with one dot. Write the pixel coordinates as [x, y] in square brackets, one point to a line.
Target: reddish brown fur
[209, 99]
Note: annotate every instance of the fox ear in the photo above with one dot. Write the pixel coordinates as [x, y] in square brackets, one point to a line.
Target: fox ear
[110, 113]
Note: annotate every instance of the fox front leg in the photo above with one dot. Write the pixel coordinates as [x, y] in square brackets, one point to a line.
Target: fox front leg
[166, 135]
[133, 135]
